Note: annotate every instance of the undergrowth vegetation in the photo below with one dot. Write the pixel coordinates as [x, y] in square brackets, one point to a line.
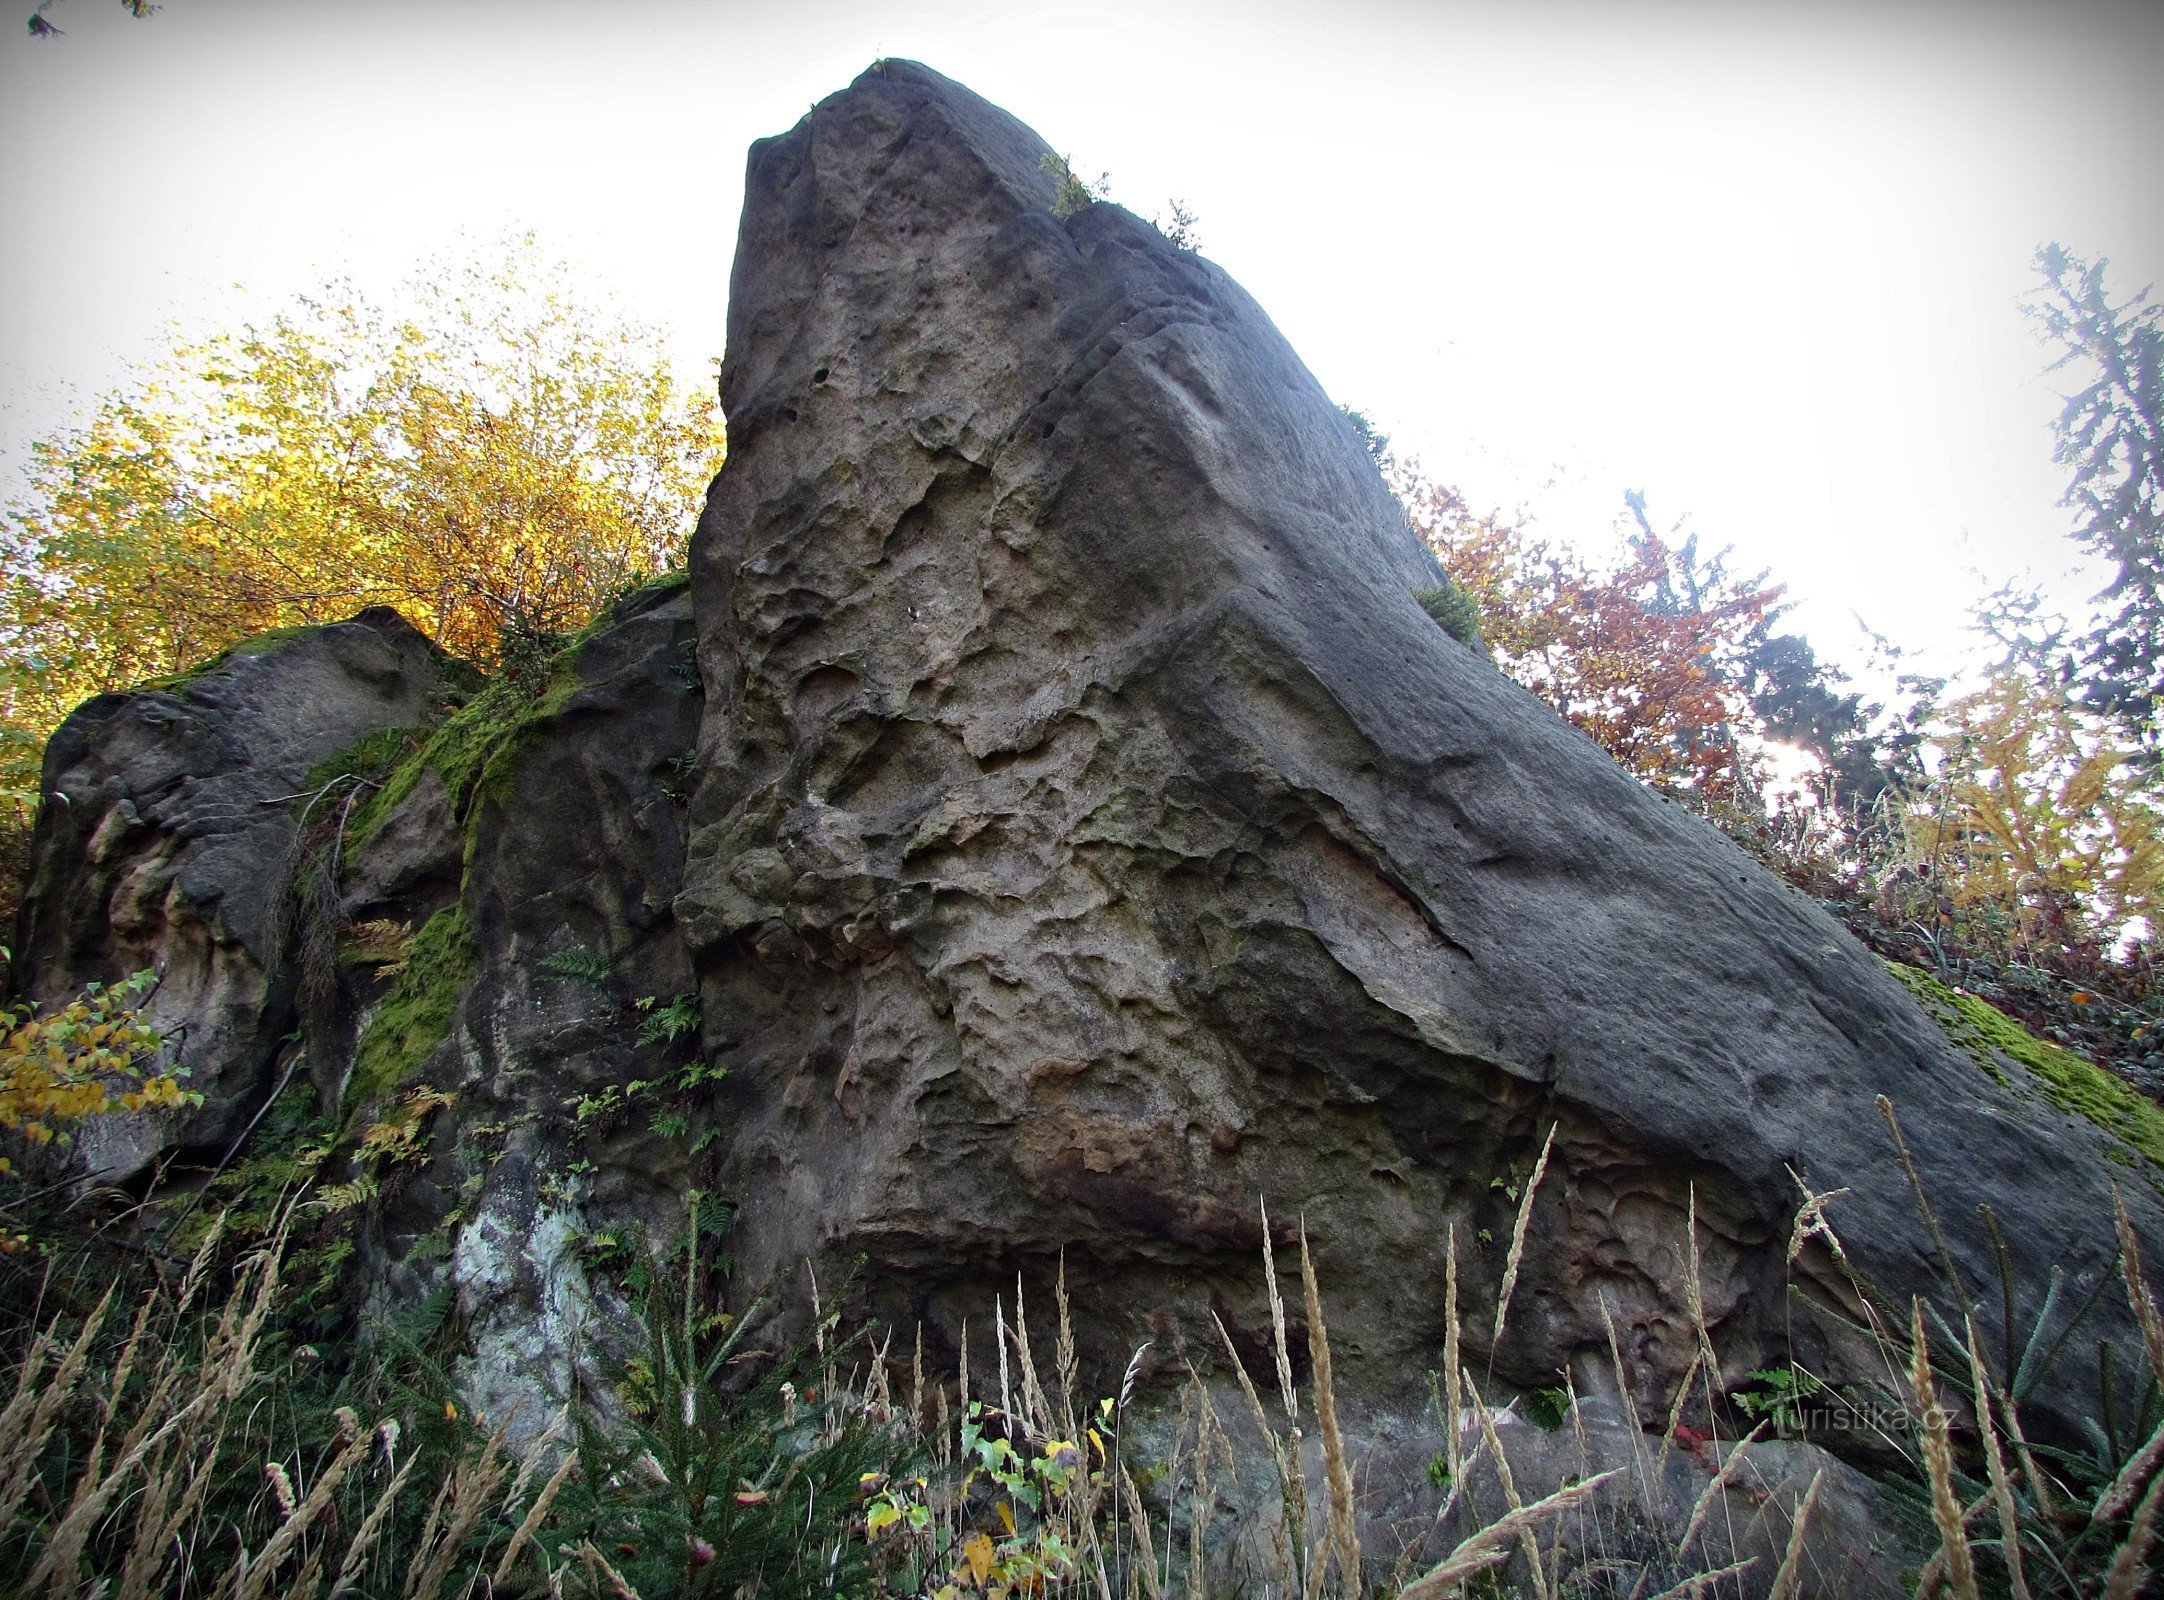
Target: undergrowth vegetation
[173, 1425]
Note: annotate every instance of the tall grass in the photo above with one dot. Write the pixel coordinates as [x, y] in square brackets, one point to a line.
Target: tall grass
[178, 1442]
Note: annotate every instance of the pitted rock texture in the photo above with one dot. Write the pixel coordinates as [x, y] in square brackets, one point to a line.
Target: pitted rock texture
[167, 839]
[1096, 840]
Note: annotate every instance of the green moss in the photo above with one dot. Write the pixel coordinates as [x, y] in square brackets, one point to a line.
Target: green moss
[1991, 1037]
[416, 1015]
[474, 742]
[371, 757]
[639, 597]
[258, 644]
[1456, 612]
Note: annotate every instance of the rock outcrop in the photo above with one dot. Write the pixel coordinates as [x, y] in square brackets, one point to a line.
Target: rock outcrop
[1047, 830]
[168, 838]
[1096, 840]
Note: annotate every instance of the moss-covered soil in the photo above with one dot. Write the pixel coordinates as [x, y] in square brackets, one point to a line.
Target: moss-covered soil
[1991, 1038]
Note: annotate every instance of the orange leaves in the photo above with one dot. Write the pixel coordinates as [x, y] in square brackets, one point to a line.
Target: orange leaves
[1641, 655]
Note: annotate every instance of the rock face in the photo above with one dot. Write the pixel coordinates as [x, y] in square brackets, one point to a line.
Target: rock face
[1046, 830]
[168, 838]
[1097, 840]
[577, 847]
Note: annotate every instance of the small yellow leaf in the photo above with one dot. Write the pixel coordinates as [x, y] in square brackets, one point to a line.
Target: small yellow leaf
[977, 1551]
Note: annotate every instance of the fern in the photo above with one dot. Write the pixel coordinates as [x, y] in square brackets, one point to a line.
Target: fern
[578, 965]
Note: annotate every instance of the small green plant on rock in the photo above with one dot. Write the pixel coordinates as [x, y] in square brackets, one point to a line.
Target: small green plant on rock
[1075, 192]
[1456, 612]
[579, 965]
[1780, 1399]
[667, 1023]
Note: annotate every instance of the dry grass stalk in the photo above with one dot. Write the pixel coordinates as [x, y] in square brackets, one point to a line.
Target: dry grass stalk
[2002, 1488]
[198, 1271]
[2129, 1573]
[918, 1416]
[1038, 1420]
[227, 1366]
[1292, 1474]
[1291, 1487]
[371, 1529]
[281, 1543]
[1152, 1585]
[2039, 1486]
[1718, 1485]
[1643, 1475]
[1509, 1481]
[67, 1544]
[1938, 1452]
[999, 1343]
[1934, 1570]
[1202, 1502]
[1491, 1546]
[599, 1571]
[1064, 1356]
[1790, 1576]
[1340, 1533]
[1811, 1221]
[1247, 1388]
[473, 1487]
[1691, 1588]
[1923, 1203]
[2137, 1286]
[1277, 1322]
[530, 1463]
[25, 1439]
[1516, 1257]
[154, 1540]
[1453, 1384]
[2112, 1503]
[1675, 1412]
[534, 1517]
[1694, 1290]
[15, 1415]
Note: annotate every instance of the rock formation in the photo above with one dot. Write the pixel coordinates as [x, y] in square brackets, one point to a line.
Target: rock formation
[1048, 830]
[167, 839]
[1095, 838]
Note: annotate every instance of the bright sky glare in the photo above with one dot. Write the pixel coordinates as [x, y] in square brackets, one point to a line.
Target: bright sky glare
[1758, 259]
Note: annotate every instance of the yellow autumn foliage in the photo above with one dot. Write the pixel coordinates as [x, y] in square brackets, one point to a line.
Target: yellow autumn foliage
[2040, 812]
[502, 456]
[81, 1061]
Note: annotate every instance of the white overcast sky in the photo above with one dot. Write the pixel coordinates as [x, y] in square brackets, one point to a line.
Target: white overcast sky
[1760, 260]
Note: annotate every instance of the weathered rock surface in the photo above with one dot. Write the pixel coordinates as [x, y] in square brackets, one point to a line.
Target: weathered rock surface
[168, 839]
[1096, 839]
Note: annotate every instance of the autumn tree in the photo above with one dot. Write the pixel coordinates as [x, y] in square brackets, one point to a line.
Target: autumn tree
[1647, 655]
[2037, 814]
[495, 461]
